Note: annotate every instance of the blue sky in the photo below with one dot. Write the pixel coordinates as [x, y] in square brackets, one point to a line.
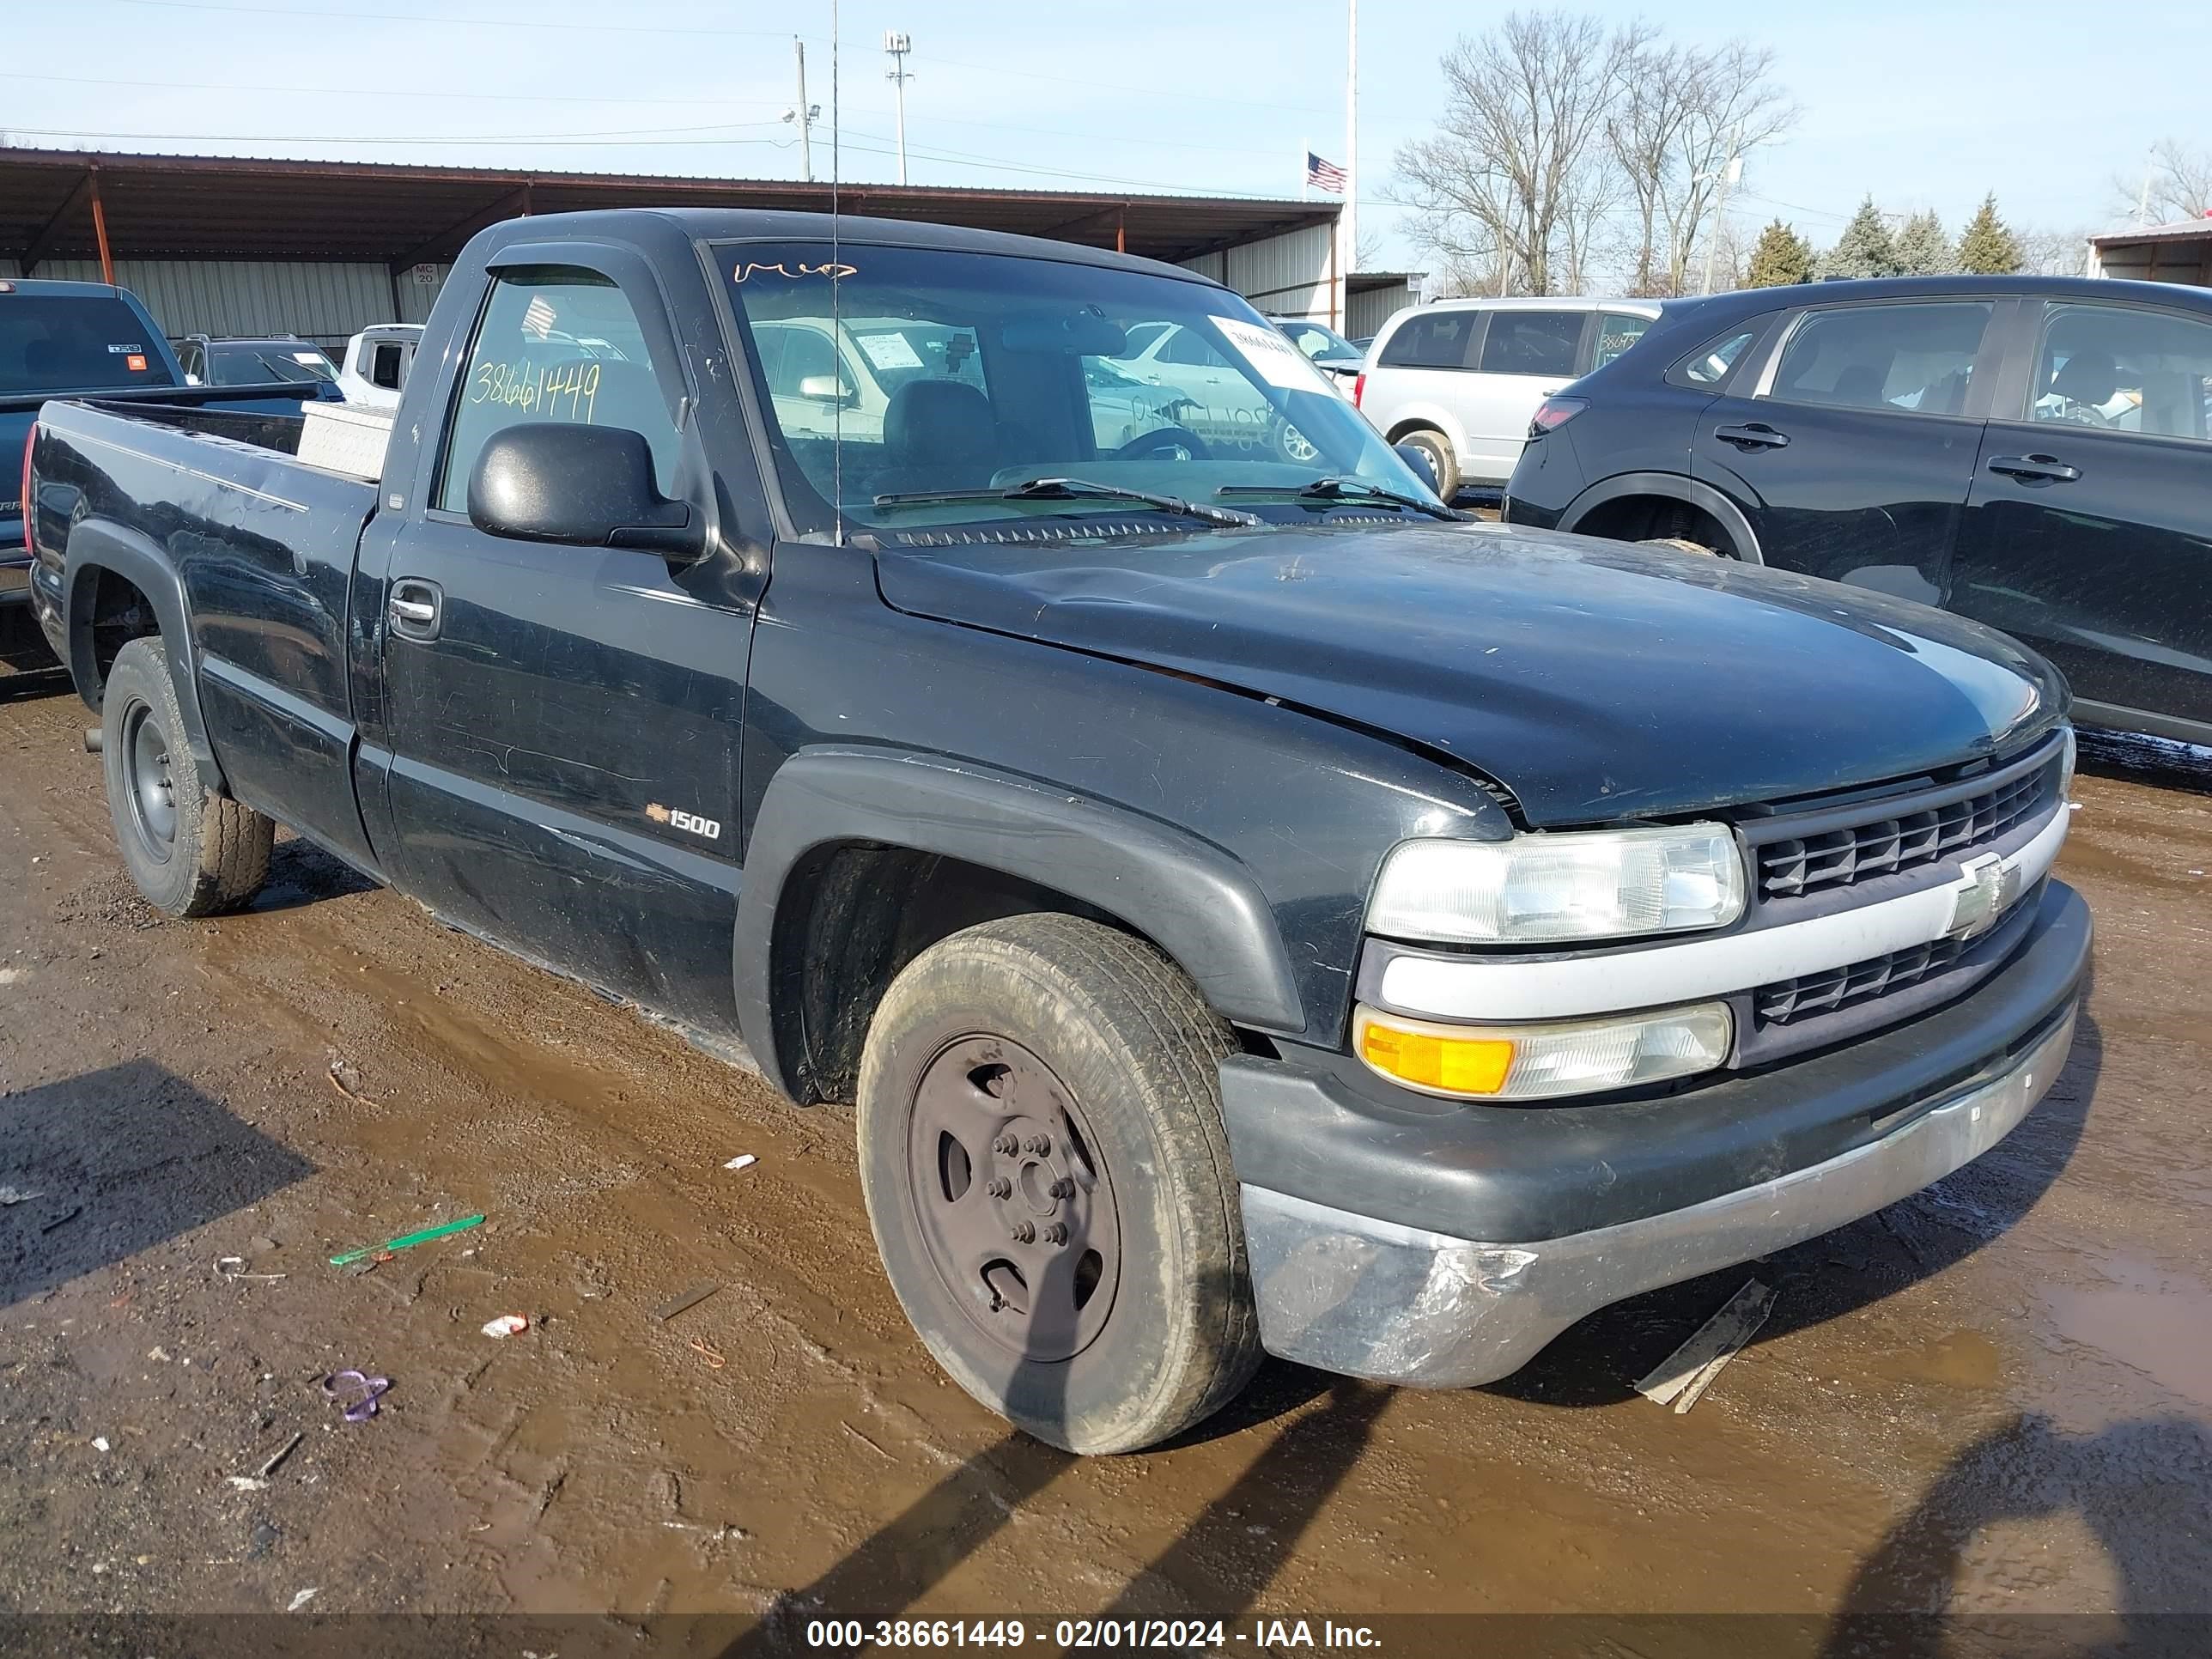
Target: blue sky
[1925, 105]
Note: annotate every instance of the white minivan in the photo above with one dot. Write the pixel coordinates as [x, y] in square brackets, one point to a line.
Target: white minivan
[1460, 380]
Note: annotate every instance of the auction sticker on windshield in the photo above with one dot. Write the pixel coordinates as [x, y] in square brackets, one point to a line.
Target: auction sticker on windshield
[1280, 362]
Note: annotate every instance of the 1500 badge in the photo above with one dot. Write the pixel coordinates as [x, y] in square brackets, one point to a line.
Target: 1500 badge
[711, 829]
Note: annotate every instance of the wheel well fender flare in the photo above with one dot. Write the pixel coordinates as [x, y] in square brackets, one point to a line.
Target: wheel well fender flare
[1419, 417]
[1671, 486]
[1190, 898]
[97, 545]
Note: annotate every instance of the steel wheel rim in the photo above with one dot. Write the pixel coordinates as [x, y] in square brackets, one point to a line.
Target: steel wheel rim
[1015, 1209]
[150, 787]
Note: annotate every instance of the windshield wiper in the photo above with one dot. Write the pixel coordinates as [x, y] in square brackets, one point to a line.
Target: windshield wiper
[1343, 487]
[1070, 489]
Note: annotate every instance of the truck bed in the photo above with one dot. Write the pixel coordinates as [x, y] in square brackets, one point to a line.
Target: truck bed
[249, 551]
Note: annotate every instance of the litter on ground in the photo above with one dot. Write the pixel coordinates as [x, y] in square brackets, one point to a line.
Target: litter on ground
[405, 1241]
[1688, 1371]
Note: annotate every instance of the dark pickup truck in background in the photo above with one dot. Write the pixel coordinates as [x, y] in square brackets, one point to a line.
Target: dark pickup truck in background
[1250, 907]
[78, 340]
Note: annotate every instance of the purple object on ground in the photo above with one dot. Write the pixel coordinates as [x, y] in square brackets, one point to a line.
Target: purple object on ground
[356, 1392]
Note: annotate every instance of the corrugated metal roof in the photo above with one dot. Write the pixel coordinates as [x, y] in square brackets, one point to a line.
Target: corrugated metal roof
[242, 208]
[2186, 230]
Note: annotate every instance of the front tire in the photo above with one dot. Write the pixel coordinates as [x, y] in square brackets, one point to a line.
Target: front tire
[191, 852]
[1046, 1170]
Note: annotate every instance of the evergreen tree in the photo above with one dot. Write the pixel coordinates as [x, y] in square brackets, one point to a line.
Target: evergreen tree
[1864, 249]
[1988, 248]
[1782, 256]
[1923, 249]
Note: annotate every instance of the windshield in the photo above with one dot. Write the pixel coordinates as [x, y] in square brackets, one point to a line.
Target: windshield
[259, 362]
[57, 342]
[945, 370]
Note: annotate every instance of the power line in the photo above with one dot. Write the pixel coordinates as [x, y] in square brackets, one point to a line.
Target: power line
[618, 138]
[530, 26]
[1182, 96]
[354, 92]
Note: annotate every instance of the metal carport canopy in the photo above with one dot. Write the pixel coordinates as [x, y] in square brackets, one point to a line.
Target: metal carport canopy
[61, 203]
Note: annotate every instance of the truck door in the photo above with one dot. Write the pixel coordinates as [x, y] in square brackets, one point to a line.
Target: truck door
[564, 722]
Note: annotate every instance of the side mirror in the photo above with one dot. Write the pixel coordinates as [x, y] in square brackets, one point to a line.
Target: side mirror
[588, 486]
[1424, 465]
[827, 389]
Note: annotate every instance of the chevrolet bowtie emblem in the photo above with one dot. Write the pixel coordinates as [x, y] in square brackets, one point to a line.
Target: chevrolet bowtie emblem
[1987, 886]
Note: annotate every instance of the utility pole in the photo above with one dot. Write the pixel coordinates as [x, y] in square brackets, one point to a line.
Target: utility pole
[898, 46]
[1731, 170]
[1347, 222]
[2143, 202]
[803, 114]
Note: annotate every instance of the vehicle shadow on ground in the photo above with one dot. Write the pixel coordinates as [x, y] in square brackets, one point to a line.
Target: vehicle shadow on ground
[2138, 1486]
[119, 1160]
[1595, 1362]
[302, 873]
[32, 684]
[1219, 1563]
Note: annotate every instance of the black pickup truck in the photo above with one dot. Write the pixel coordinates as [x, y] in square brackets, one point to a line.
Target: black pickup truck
[1251, 906]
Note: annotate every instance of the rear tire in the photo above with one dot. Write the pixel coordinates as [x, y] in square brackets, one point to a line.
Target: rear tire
[1441, 457]
[191, 852]
[1129, 1317]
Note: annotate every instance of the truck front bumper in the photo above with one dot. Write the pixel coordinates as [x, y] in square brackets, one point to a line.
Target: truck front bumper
[1380, 1290]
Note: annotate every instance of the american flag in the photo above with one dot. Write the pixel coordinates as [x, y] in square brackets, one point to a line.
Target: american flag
[1323, 175]
[538, 319]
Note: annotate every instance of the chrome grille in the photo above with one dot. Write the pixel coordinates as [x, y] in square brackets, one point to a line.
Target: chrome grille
[1796, 866]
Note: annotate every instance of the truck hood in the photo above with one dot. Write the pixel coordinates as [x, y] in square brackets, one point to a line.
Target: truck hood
[1596, 680]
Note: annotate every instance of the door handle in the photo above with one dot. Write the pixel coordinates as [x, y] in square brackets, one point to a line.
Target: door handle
[1755, 435]
[415, 605]
[2034, 469]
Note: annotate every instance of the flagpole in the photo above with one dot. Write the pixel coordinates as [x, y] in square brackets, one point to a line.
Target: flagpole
[1347, 222]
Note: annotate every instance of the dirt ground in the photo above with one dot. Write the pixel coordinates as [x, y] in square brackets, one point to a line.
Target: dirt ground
[1994, 1399]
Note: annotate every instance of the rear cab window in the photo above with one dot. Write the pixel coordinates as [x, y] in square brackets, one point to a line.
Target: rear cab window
[553, 342]
[69, 343]
[1910, 359]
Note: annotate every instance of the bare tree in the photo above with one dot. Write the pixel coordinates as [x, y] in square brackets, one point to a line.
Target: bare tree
[2178, 184]
[1684, 112]
[1510, 179]
[2054, 252]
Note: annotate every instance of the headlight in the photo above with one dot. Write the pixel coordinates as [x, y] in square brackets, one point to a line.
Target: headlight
[1542, 1062]
[1549, 890]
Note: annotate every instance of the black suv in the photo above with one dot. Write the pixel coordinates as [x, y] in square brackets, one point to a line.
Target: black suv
[2033, 452]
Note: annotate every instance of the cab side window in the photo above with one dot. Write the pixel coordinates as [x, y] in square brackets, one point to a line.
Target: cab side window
[1432, 339]
[555, 343]
[1902, 359]
[2117, 369]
